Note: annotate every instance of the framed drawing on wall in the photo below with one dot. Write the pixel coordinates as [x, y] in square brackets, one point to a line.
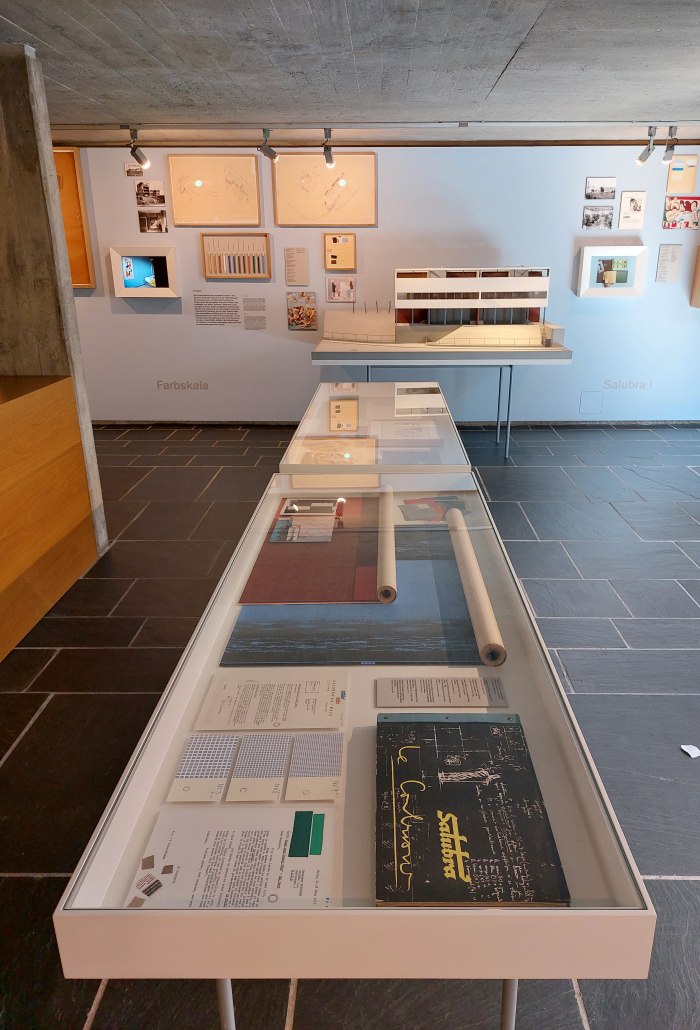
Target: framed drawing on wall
[307, 192]
[612, 271]
[75, 223]
[339, 251]
[214, 189]
[236, 255]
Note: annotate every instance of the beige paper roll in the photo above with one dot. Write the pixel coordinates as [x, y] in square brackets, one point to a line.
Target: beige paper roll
[486, 631]
[386, 547]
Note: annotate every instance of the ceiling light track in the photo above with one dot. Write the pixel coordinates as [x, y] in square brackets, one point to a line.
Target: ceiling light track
[301, 126]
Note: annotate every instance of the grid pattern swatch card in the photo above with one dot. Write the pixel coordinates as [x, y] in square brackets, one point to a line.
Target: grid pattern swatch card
[316, 767]
[274, 699]
[260, 768]
[204, 768]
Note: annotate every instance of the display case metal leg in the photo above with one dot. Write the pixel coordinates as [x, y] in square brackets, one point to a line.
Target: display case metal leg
[498, 406]
[510, 393]
[226, 1013]
[509, 1004]
[369, 373]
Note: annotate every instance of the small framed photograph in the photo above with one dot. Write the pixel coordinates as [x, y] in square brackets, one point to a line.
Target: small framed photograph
[598, 217]
[612, 271]
[150, 193]
[632, 204]
[340, 288]
[153, 221]
[600, 188]
[339, 251]
[144, 272]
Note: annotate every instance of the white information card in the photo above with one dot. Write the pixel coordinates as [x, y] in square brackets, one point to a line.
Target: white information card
[274, 699]
[440, 692]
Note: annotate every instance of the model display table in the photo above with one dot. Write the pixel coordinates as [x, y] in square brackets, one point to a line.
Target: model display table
[348, 611]
[373, 340]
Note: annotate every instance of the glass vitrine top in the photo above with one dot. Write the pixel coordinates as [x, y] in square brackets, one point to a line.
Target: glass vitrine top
[367, 427]
[365, 716]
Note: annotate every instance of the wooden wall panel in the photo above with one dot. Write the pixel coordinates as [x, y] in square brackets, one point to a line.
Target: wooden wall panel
[75, 224]
[47, 538]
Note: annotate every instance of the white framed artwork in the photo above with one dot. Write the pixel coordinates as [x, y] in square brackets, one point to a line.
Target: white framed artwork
[144, 271]
[612, 272]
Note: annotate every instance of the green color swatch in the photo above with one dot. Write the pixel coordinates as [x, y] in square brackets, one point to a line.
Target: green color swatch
[301, 835]
[316, 846]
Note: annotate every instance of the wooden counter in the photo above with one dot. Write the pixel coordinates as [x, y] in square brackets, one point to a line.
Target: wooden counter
[47, 537]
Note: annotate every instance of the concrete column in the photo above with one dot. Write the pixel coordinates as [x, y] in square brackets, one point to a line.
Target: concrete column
[38, 325]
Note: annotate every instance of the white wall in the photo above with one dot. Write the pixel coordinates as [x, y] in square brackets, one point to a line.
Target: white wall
[471, 206]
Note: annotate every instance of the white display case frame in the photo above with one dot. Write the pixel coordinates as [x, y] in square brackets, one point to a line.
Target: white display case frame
[98, 938]
[376, 404]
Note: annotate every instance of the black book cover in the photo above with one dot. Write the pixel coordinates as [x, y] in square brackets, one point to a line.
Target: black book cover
[460, 815]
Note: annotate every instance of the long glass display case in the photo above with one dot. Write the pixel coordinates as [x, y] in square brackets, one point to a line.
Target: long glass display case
[371, 428]
[363, 766]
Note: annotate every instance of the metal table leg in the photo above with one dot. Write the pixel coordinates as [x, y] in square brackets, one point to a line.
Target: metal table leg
[510, 391]
[369, 373]
[509, 1003]
[226, 1013]
[498, 406]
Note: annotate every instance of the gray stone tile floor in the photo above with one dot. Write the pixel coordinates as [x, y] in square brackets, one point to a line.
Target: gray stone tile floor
[602, 524]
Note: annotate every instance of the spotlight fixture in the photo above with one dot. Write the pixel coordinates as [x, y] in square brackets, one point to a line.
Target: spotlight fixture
[649, 148]
[137, 154]
[266, 149]
[327, 152]
[671, 142]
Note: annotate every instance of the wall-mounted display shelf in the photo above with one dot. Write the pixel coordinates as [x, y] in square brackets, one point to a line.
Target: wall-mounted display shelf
[144, 271]
[612, 272]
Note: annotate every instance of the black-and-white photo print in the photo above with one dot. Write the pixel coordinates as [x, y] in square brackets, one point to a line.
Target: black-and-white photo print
[597, 217]
[153, 221]
[150, 193]
[600, 188]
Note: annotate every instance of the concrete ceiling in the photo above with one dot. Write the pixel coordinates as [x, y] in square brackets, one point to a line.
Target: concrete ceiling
[326, 62]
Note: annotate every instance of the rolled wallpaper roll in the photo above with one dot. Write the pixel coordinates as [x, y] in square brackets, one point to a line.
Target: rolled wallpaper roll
[486, 631]
[386, 547]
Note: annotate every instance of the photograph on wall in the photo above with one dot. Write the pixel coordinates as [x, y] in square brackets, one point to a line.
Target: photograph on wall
[142, 271]
[340, 288]
[150, 193]
[153, 221]
[612, 272]
[74, 215]
[600, 188]
[214, 189]
[632, 204]
[307, 192]
[597, 217]
[132, 168]
[681, 174]
[681, 213]
[339, 251]
[301, 311]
